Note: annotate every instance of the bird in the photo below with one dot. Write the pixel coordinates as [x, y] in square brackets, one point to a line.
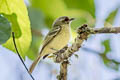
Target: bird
[56, 39]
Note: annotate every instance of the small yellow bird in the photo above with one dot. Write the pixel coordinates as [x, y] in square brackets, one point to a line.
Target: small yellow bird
[55, 40]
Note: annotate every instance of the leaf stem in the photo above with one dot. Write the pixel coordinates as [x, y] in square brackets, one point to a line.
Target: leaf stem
[20, 56]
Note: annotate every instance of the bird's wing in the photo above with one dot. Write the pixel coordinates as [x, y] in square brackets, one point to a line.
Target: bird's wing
[50, 36]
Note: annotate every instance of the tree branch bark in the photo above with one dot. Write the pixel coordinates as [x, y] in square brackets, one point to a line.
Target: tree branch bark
[65, 53]
[107, 30]
[63, 71]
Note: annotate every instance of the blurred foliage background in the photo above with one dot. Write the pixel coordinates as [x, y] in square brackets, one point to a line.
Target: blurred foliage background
[42, 13]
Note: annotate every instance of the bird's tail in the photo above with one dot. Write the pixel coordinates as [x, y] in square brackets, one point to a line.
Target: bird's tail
[34, 64]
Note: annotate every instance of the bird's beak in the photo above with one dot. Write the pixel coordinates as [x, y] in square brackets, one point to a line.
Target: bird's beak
[71, 19]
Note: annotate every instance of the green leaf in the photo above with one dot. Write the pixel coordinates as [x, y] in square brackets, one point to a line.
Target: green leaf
[16, 12]
[5, 29]
[106, 44]
[15, 26]
[110, 63]
[111, 16]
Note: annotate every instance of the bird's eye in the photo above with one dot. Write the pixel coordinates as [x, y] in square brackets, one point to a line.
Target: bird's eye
[66, 19]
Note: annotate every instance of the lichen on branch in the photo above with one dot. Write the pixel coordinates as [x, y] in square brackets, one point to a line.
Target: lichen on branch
[65, 53]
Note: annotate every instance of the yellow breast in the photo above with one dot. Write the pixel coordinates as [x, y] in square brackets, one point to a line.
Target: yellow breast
[60, 41]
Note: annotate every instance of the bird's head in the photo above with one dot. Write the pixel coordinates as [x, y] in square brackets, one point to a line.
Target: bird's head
[62, 21]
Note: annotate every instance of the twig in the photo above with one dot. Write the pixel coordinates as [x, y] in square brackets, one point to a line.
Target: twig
[62, 56]
[63, 71]
[107, 30]
[83, 32]
[20, 56]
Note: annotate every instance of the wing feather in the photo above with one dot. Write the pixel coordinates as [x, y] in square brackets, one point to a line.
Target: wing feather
[50, 36]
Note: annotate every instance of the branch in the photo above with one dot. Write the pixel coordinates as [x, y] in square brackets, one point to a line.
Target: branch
[65, 53]
[20, 56]
[83, 33]
[63, 71]
[107, 30]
